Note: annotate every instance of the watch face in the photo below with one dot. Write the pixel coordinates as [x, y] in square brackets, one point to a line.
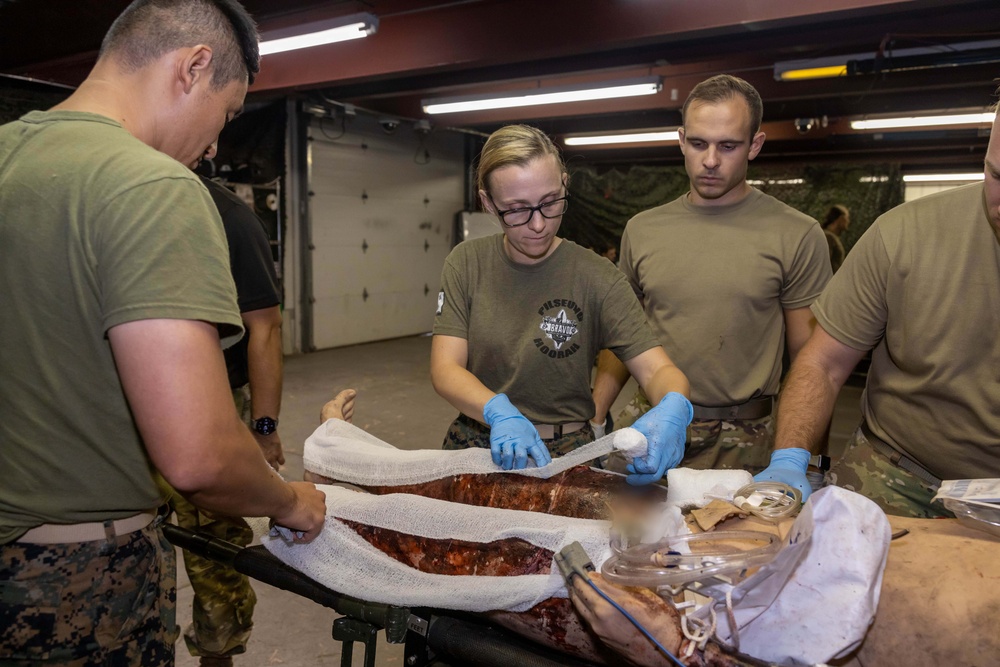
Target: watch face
[265, 425]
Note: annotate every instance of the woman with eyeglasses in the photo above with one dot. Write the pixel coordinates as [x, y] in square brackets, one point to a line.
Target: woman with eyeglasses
[521, 316]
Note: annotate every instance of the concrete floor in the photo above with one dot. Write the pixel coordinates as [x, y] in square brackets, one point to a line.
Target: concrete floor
[397, 404]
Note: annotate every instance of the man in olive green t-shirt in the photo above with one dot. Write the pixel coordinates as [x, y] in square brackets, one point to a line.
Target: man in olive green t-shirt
[726, 275]
[921, 287]
[116, 291]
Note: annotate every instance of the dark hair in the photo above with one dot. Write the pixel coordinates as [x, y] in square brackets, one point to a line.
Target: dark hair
[147, 29]
[835, 213]
[514, 144]
[725, 87]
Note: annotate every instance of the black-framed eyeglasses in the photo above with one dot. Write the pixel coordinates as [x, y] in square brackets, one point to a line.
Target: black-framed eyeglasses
[516, 217]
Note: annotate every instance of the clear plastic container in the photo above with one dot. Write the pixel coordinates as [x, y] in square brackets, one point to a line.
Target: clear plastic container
[982, 516]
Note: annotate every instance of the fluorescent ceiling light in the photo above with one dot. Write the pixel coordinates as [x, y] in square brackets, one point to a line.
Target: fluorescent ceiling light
[942, 178]
[536, 96]
[923, 121]
[317, 33]
[920, 57]
[632, 138]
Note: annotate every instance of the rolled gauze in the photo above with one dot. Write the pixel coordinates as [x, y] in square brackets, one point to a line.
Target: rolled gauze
[687, 487]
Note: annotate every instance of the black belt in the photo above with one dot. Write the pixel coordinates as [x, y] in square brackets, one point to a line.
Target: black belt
[896, 458]
[755, 408]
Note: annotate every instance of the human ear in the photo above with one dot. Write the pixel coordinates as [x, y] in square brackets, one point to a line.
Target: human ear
[756, 144]
[484, 199]
[194, 65]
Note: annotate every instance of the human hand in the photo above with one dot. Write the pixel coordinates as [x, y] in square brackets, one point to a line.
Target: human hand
[788, 466]
[512, 437]
[614, 630]
[270, 445]
[665, 428]
[307, 514]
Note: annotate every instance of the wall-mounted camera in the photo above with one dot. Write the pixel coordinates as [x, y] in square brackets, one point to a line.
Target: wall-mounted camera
[803, 125]
[389, 125]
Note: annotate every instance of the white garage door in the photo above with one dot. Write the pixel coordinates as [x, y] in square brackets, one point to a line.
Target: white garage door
[382, 212]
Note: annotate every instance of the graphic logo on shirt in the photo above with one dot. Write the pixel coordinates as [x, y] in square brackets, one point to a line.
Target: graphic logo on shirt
[440, 301]
[560, 323]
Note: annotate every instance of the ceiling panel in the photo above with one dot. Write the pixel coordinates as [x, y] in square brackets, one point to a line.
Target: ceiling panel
[445, 48]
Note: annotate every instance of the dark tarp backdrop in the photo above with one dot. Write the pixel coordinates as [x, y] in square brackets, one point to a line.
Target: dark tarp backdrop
[603, 201]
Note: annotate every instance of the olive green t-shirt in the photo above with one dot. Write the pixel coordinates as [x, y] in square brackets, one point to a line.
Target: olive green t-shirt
[715, 281]
[922, 286]
[534, 331]
[96, 230]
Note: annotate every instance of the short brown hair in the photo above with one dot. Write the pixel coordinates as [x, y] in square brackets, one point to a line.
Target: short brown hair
[513, 144]
[147, 29]
[723, 87]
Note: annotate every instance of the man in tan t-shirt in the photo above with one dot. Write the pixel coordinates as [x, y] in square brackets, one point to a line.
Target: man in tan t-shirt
[726, 275]
[922, 288]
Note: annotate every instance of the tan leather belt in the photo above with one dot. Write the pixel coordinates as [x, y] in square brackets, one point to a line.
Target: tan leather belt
[755, 408]
[58, 533]
[553, 431]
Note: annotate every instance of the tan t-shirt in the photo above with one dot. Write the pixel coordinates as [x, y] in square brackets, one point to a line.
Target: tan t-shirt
[923, 287]
[714, 282]
[535, 330]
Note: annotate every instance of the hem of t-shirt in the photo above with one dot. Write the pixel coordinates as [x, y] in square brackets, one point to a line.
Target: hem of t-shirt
[836, 332]
[219, 317]
[447, 331]
[259, 304]
[800, 303]
[634, 350]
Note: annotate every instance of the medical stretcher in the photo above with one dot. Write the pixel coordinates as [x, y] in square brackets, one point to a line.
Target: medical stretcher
[432, 638]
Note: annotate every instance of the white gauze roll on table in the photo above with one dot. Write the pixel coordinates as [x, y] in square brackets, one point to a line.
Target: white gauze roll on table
[687, 487]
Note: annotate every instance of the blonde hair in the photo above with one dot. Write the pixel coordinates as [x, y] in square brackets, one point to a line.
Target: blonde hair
[513, 145]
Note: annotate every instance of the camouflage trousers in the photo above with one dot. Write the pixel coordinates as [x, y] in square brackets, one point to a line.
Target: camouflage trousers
[466, 432]
[82, 604]
[222, 610]
[870, 473]
[713, 443]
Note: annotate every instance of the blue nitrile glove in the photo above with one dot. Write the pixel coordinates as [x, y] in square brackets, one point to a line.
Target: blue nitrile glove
[665, 428]
[788, 466]
[512, 437]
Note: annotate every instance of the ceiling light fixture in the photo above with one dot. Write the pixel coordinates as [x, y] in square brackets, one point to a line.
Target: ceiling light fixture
[645, 137]
[942, 178]
[317, 33]
[921, 57]
[923, 121]
[649, 85]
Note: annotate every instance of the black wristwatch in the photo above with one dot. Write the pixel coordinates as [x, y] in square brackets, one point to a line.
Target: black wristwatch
[264, 425]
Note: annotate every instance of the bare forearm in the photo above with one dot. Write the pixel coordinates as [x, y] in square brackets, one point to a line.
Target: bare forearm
[665, 380]
[611, 377]
[805, 407]
[235, 479]
[462, 389]
[265, 361]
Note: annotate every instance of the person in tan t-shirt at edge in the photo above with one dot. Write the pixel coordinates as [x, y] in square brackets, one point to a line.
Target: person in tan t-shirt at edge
[726, 275]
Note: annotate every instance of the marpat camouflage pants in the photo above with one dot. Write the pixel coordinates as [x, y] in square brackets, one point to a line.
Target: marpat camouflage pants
[712, 443]
[466, 432]
[897, 491]
[222, 609]
[82, 604]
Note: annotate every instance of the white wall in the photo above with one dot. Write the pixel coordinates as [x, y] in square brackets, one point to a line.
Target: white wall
[377, 260]
[917, 190]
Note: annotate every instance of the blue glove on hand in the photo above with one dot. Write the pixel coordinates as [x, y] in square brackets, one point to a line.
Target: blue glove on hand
[512, 437]
[665, 428]
[788, 466]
